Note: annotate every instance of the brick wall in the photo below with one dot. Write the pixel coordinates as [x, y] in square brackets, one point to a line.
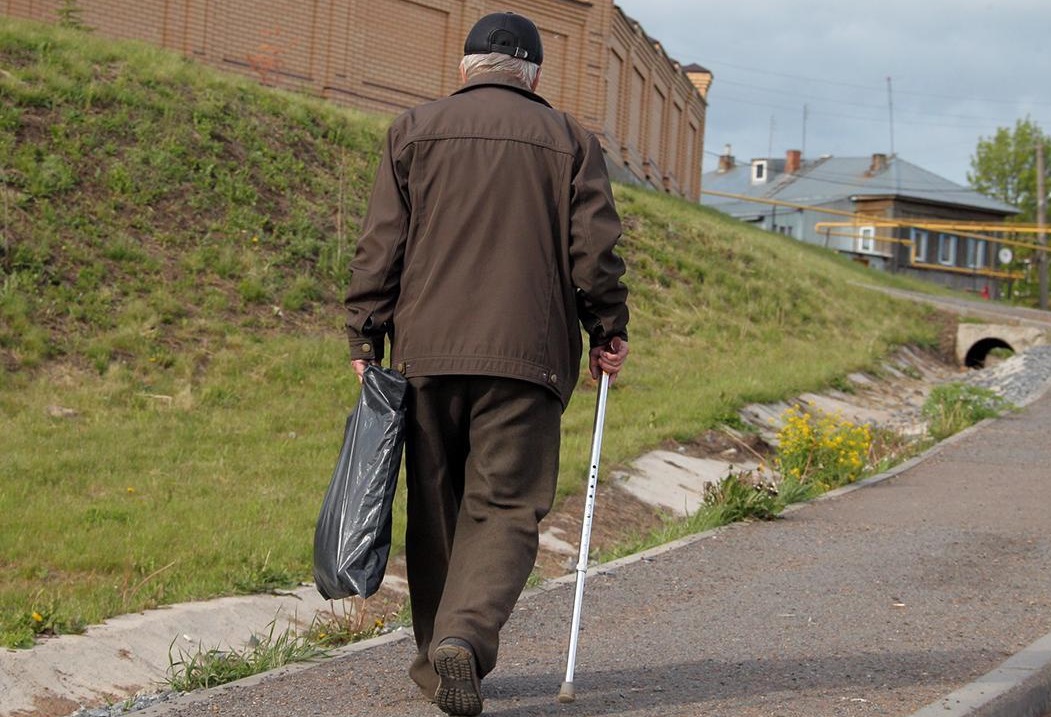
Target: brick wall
[388, 55]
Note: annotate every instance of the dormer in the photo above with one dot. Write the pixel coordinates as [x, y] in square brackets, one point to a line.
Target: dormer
[760, 171]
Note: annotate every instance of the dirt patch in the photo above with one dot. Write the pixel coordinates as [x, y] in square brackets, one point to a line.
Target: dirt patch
[48, 705]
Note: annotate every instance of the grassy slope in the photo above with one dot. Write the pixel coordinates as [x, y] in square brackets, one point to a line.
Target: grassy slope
[174, 243]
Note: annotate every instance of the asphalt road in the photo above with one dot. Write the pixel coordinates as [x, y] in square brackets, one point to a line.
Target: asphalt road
[876, 601]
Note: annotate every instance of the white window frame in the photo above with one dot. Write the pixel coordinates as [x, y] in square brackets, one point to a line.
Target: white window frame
[920, 239]
[947, 258]
[976, 250]
[867, 240]
[759, 171]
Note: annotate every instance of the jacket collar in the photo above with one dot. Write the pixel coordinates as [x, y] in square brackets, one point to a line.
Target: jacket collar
[503, 80]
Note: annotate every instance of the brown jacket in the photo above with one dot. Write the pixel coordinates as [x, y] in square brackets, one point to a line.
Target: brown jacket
[489, 237]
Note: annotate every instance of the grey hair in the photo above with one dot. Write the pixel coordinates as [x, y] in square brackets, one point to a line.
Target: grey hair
[524, 70]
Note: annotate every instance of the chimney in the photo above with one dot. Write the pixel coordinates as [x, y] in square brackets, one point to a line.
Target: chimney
[700, 78]
[793, 161]
[879, 163]
[726, 161]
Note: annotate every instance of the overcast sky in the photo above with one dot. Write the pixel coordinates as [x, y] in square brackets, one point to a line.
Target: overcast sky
[959, 69]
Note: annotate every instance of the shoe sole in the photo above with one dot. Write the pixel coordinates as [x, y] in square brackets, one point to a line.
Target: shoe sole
[459, 689]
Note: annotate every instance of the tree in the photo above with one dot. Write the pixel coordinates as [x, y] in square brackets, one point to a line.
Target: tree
[1004, 166]
[69, 16]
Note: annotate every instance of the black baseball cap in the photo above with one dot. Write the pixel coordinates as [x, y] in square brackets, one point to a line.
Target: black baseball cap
[508, 33]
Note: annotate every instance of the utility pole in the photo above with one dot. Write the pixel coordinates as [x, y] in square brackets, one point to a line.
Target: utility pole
[803, 149]
[893, 156]
[890, 111]
[770, 146]
[1041, 219]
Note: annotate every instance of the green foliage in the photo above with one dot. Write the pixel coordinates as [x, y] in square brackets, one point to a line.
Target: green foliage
[349, 624]
[262, 577]
[792, 491]
[213, 667]
[125, 170]
[69, 15]
[952, 407]
[743, 496]
[825, 450]
[20, 629]
[1004, 166]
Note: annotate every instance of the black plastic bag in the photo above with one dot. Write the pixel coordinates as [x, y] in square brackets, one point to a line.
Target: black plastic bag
[353, 533]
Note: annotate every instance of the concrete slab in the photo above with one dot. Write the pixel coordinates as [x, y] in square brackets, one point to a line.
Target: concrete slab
[673, 481]
[130, 653]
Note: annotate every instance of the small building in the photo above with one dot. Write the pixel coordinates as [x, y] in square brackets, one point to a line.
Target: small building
[388, 55]
[880, 210]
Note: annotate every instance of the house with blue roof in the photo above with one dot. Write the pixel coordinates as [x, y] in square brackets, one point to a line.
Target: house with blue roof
[880, 210]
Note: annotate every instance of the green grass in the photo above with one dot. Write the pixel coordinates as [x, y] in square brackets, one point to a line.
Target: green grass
[173, 247]
[214, 666]
[952, 407]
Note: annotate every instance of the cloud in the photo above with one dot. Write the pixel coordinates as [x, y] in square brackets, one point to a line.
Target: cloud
[959, 69]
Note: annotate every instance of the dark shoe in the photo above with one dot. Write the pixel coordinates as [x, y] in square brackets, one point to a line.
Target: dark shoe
[459, 689]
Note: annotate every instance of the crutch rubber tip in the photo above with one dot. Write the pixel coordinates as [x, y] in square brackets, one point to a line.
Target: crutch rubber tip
[566, 694]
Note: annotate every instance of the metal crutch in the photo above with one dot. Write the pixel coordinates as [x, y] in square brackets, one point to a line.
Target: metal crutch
[567, 693]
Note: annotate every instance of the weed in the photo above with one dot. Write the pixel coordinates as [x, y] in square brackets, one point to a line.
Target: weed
[253, 291]
[826, 450]
[209, 668]
[44, 619]
[952, 407]
[733, 421]
[911, 371]
[843, 385]
[743, 495]
[303, 291]
[403, 618]
[262, 577]
[792, 491]
[350, 624]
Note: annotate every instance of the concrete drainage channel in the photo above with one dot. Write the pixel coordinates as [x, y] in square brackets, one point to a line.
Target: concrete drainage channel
[130, 653]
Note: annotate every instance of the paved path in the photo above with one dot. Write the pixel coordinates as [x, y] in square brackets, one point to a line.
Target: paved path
[877, 601]
[984, 310]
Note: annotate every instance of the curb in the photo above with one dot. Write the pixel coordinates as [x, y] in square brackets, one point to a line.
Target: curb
[1020, 687]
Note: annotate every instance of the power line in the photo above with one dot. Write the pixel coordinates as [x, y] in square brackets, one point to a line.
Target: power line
[873, 88]
[838, 115]
[810, 97]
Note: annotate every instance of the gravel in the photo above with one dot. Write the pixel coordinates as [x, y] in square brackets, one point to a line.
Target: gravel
[1018, 379]
[133, 704]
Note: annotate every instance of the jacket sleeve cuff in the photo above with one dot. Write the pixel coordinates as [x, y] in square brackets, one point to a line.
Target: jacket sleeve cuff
[365, 348]
[601, 338]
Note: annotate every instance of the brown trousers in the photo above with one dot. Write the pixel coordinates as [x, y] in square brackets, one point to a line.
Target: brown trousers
[482, 464]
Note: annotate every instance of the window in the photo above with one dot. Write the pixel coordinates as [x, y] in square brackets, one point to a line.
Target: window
[919, 244]
[867, 240]
[976, 253]
[758, 171]
[947, 249]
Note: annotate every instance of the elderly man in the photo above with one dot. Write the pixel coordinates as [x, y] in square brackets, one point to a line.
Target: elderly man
[489, 241]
